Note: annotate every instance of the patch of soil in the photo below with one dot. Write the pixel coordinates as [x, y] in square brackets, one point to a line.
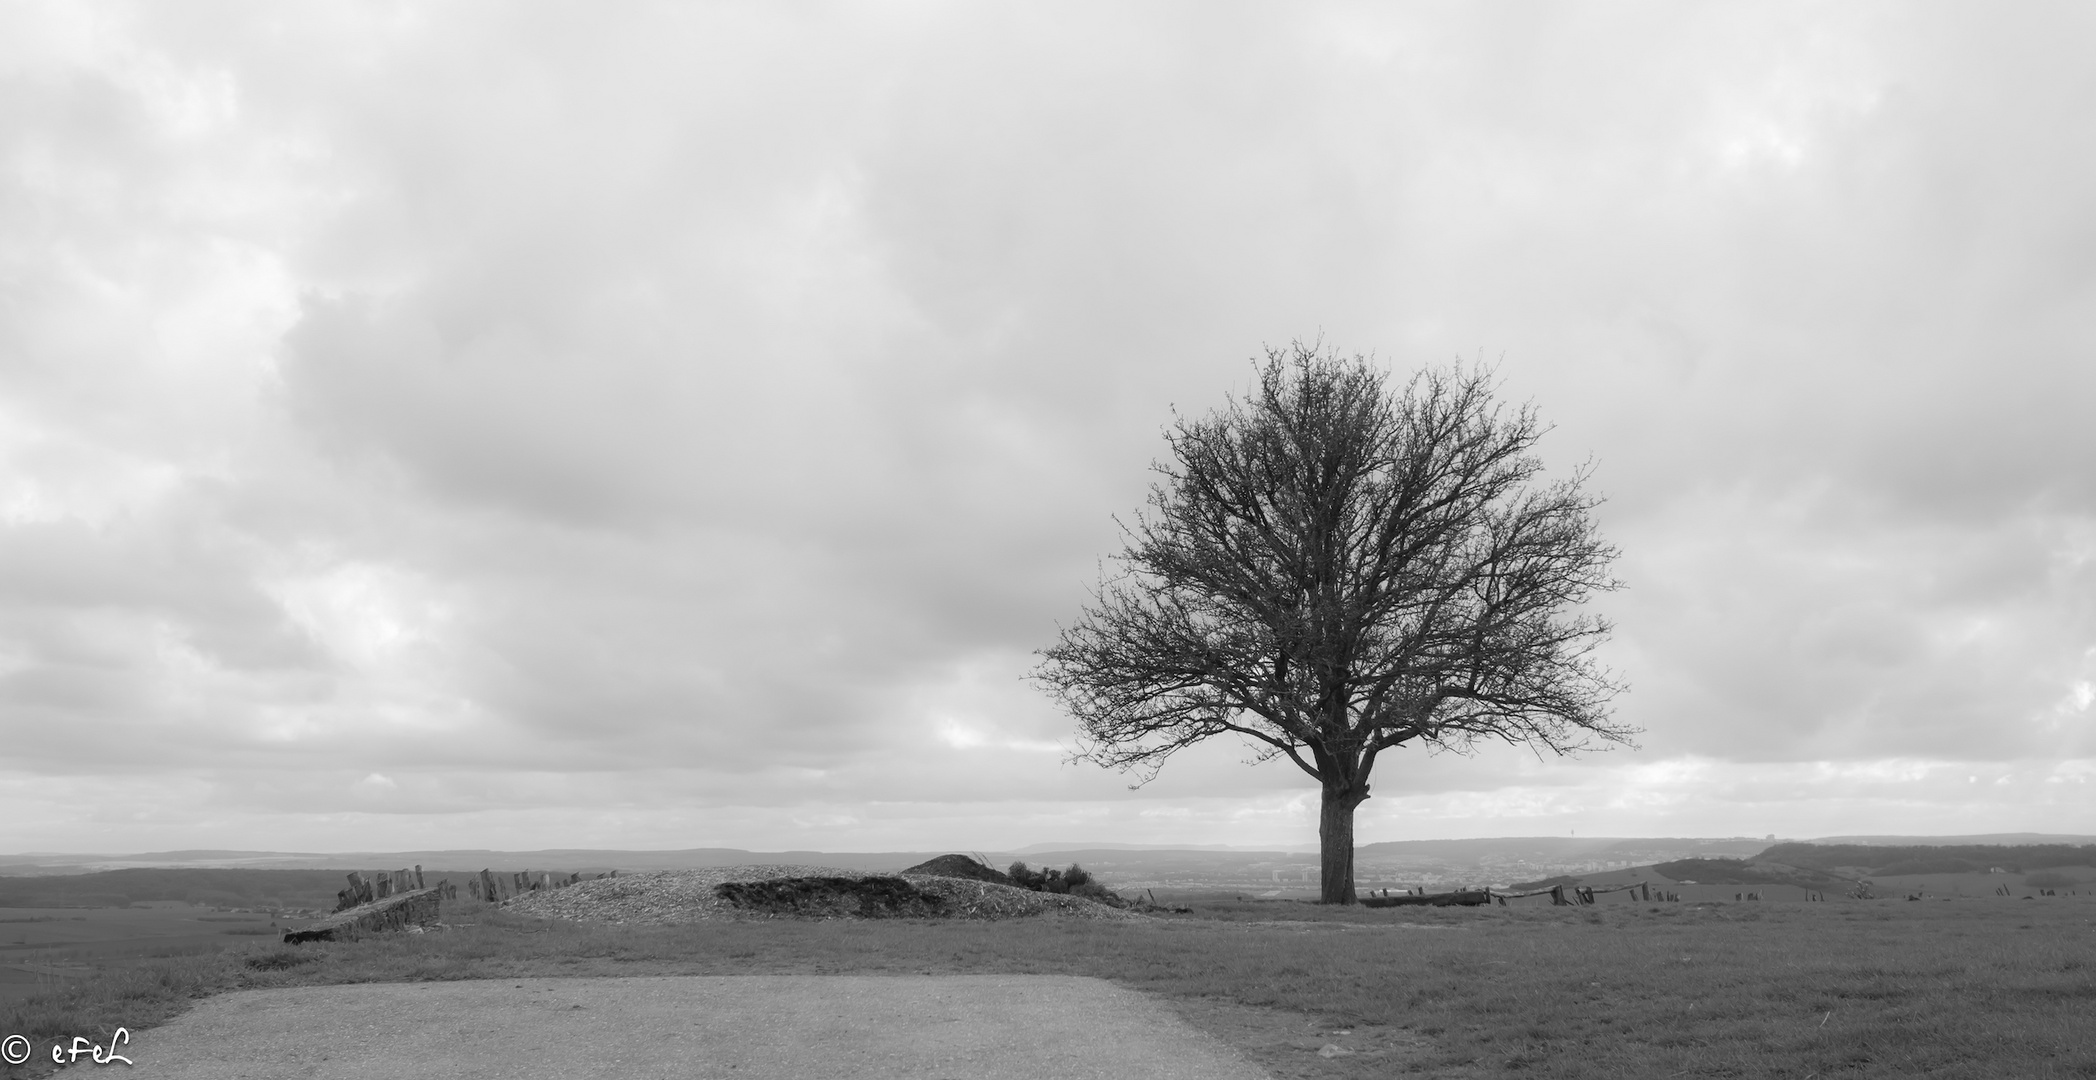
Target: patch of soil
[1287, 1043]
[863, 897]
[960, 866]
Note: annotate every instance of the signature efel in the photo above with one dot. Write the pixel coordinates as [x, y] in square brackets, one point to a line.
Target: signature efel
[15, 1049]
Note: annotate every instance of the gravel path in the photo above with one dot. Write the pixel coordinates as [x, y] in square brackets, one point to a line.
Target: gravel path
[753, 1027]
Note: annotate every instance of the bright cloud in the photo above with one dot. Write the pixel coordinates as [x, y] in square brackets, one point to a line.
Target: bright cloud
[485, 425]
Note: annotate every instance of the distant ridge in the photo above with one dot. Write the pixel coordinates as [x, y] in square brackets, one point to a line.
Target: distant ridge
[1483, 851]
[1102, 845]
[1956, 841]
[1646, 849]
[570, 859]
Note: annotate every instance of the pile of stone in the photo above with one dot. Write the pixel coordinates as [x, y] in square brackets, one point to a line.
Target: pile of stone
[988, 900]
[825, 897]
[682, 896]
[414, 911]
[494, 889]
[665, 896]
[961, 866]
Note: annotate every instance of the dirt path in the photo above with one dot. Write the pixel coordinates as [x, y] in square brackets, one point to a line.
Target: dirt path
[755, 1027]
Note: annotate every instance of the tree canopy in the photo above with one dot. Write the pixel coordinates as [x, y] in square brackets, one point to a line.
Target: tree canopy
[1331, 568]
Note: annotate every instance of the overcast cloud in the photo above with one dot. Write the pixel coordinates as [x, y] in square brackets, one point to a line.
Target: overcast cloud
[668, 425]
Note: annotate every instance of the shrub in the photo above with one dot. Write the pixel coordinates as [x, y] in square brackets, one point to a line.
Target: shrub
[1050, 880]
[1092, 890]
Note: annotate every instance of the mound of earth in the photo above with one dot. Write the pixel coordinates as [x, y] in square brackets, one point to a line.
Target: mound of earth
[989, 900]
[960, 866]
[683, 896]
[865, 897]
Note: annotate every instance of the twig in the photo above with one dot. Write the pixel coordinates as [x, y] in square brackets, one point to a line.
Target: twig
[1823, 1020]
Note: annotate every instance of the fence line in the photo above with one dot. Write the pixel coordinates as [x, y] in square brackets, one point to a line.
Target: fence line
[380, 884]
[493, 888]
[1559, 896]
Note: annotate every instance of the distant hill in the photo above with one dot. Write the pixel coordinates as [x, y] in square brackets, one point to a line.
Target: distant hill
[1889, 860]
[585, 860]
[1437, 863]
[1557, 849]
[1100, 845]
[211, 887]
[1745, 872]
[2016, 839]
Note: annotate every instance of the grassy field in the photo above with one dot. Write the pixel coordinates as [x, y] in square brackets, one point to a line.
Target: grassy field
[1977, 987]
[42, 948]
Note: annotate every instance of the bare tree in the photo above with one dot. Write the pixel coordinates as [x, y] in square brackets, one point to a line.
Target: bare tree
[1331, 570]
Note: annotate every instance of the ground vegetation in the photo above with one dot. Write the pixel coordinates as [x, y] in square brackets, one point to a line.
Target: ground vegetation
[1861, 989]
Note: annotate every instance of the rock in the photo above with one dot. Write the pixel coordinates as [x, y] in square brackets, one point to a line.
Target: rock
[865, 897]
[417, 908]
[959, 866]
[1332, 1050]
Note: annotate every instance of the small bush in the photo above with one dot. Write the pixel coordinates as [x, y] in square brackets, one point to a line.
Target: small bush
[1092, 890]
[1075, 881]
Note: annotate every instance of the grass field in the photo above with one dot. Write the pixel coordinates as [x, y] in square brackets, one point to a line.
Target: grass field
[42, 948]
[1977, 987]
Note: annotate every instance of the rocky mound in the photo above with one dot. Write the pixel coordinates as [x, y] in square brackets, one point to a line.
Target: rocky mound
[665, 896]
[960, 866]
[864, 897]
[682, 896]
[988, 900]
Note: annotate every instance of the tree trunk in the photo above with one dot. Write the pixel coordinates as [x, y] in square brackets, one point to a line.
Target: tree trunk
[1335, 837]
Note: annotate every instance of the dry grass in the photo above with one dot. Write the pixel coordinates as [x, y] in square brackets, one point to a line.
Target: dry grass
[1870, 989]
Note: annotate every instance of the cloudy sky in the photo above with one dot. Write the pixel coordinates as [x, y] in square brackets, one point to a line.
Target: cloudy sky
[652, 425]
